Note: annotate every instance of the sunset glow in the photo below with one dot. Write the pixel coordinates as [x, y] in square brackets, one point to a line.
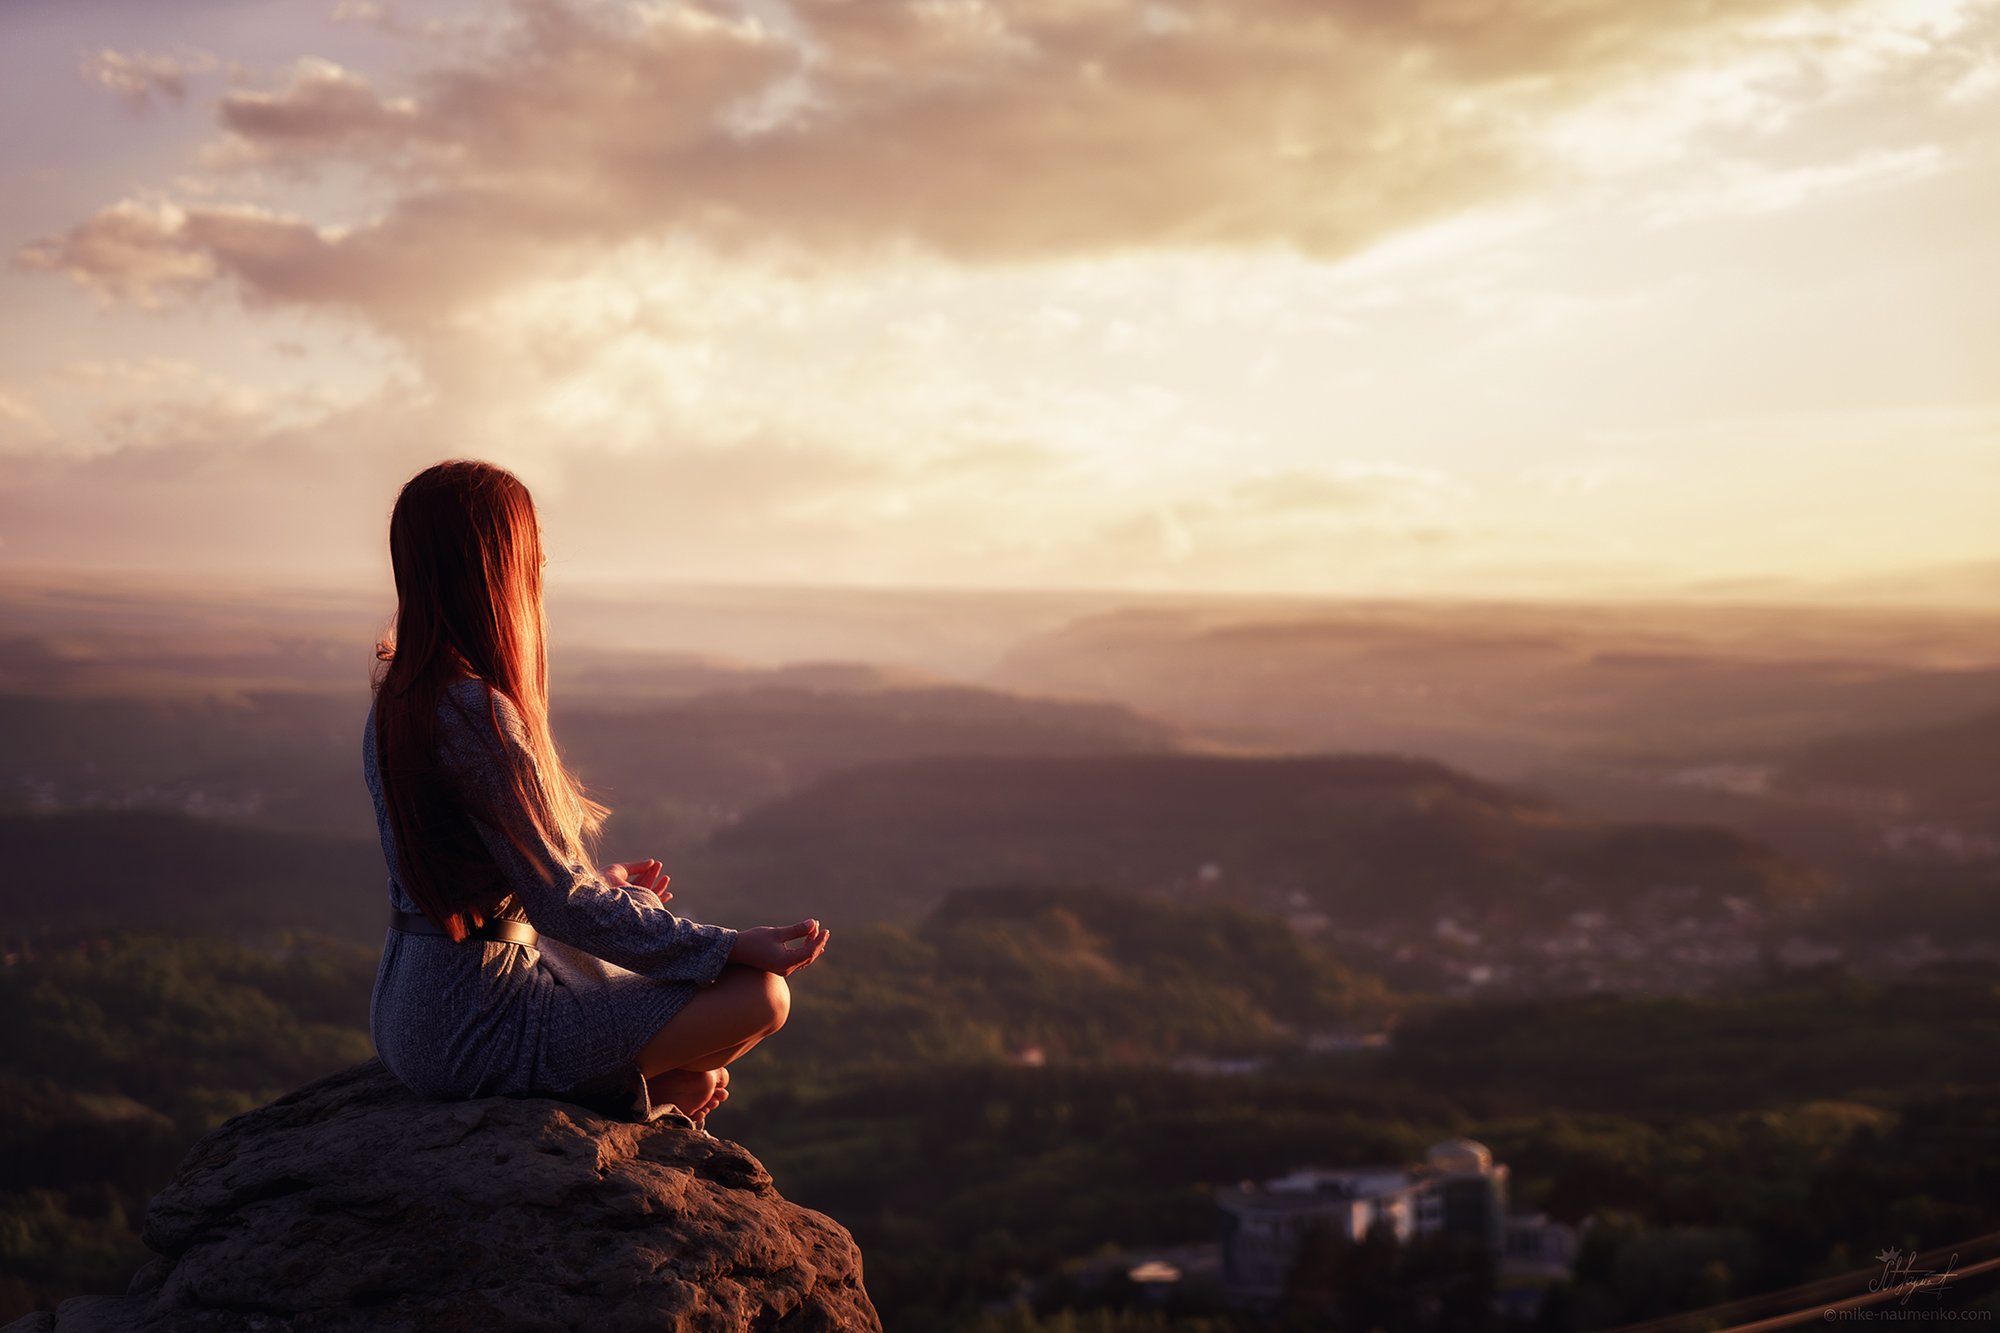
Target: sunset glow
[1441, 298]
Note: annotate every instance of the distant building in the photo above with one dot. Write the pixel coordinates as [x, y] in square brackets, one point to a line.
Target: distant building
[1458, 1191]
[1537, 1254]
[1538, 1248]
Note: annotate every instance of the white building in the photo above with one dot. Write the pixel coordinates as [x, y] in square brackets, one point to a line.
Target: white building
[1458, 1191]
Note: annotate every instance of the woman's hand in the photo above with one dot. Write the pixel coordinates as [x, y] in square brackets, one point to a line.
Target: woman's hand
[780, 949]
[645, 874]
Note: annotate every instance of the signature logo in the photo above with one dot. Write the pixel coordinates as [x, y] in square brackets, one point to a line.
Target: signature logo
[1902, 1278]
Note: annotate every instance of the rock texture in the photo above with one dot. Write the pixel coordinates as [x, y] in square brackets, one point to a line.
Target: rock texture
[351, 1204]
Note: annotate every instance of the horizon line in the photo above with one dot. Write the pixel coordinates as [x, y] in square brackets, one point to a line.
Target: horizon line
[1790, 592]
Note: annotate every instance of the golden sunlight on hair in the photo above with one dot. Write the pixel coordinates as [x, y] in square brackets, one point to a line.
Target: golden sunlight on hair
[466, 549]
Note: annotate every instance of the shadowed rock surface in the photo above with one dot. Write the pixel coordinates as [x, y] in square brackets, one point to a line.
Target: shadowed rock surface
[352, 1204]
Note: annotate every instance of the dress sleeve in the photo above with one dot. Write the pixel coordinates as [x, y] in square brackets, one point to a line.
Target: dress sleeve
[566, 901]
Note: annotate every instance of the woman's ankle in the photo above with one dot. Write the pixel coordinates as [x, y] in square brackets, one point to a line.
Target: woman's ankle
[687, 1089]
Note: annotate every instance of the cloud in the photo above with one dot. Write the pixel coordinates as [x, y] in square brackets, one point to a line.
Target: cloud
[629, 250]
[323, 110]
[387, 18]
[153, 254]
[160, 405]
[132, 251]
[22, 425]
[975, 131]
[138, 77]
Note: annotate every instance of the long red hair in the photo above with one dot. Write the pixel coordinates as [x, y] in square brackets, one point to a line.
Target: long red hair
[467, 552]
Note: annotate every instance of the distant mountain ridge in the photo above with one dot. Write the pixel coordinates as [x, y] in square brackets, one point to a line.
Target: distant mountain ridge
[670, 766]
[1370, 839]
[1507, 688]
[1945, 769]
[675, 769]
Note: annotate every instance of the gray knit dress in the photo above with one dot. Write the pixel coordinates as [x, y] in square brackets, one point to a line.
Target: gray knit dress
[486, 1018]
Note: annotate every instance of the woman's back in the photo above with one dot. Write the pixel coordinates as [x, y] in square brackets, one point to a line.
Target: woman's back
[478, 815]
[483, 1018]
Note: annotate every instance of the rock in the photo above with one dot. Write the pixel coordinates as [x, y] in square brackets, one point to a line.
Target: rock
[352, 1204]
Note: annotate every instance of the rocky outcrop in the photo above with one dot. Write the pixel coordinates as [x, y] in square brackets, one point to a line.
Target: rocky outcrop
[352, 1204]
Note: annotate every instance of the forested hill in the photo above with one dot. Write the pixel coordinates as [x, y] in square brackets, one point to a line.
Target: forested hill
[90, 871]
[1374, 838]
[1085, 974]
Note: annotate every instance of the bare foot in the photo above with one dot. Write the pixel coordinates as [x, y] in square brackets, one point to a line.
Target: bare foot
[715, 1098]
[689, 1090]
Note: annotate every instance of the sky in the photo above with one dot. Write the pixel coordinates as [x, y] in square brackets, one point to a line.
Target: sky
[1539, 298]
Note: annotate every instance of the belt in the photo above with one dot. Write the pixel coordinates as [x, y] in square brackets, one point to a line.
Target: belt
[507, 930]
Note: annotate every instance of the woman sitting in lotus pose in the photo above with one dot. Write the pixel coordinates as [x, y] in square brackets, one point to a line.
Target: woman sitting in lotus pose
[511, 968]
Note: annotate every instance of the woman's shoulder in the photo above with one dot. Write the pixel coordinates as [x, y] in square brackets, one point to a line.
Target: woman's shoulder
[471, 706]
[474, 692]
[468, 689]
[466, 697]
